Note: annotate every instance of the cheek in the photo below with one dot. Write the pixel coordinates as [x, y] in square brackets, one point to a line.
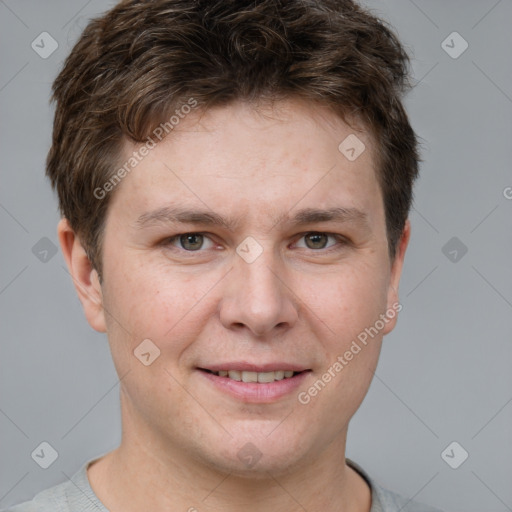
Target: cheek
[350, 306]
[151, 302]
[354, 299]
[146, 307]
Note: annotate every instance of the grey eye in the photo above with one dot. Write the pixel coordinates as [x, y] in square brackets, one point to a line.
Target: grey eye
[191, 241]
[316, 240]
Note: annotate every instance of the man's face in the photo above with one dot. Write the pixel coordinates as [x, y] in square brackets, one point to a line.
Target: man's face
[273, 287]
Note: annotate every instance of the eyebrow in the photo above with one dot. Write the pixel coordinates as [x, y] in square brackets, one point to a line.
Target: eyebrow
[178, 215]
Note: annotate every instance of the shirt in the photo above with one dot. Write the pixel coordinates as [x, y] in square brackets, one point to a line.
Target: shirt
[76, 495]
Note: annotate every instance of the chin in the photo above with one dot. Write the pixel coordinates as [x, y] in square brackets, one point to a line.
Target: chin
[255, 456]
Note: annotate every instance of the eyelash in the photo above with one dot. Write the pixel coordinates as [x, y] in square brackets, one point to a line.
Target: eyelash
[342, 241]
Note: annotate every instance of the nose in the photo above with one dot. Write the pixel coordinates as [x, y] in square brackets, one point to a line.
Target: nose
[257, 298]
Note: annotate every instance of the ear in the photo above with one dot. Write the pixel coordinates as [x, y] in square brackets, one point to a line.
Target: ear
[393, 301]
[85, 278]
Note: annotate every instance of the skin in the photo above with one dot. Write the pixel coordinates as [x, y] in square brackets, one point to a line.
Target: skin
[293, 303]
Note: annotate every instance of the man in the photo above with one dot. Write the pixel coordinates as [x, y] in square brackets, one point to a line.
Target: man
[234, 180]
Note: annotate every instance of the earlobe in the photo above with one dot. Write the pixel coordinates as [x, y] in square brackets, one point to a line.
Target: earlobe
[84, 276]
[393, 300]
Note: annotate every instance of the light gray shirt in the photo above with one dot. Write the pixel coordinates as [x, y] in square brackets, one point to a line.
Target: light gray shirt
[76, 495]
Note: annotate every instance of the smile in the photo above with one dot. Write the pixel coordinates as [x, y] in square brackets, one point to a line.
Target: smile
[255, 387]
[261, 377]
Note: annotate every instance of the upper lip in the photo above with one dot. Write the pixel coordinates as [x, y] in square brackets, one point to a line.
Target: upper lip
[243, 366]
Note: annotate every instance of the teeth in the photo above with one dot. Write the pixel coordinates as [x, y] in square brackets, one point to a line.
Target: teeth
[263, 377]
[266, 376]
[249, 377]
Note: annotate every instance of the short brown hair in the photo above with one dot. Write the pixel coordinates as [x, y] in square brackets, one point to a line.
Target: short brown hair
[133, 66]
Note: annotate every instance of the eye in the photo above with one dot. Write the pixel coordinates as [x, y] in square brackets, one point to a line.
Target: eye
[316, 240]
[190, 241]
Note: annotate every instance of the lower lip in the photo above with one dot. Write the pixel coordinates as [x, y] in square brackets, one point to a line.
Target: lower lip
[256, 392]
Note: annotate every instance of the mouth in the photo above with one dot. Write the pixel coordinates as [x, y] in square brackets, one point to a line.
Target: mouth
[250, 386]
[260, 377]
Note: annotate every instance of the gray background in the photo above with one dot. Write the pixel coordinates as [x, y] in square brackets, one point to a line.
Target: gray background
[445, 372]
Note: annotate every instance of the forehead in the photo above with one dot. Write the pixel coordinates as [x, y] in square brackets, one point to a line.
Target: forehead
[265, 159]
[273, 126]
